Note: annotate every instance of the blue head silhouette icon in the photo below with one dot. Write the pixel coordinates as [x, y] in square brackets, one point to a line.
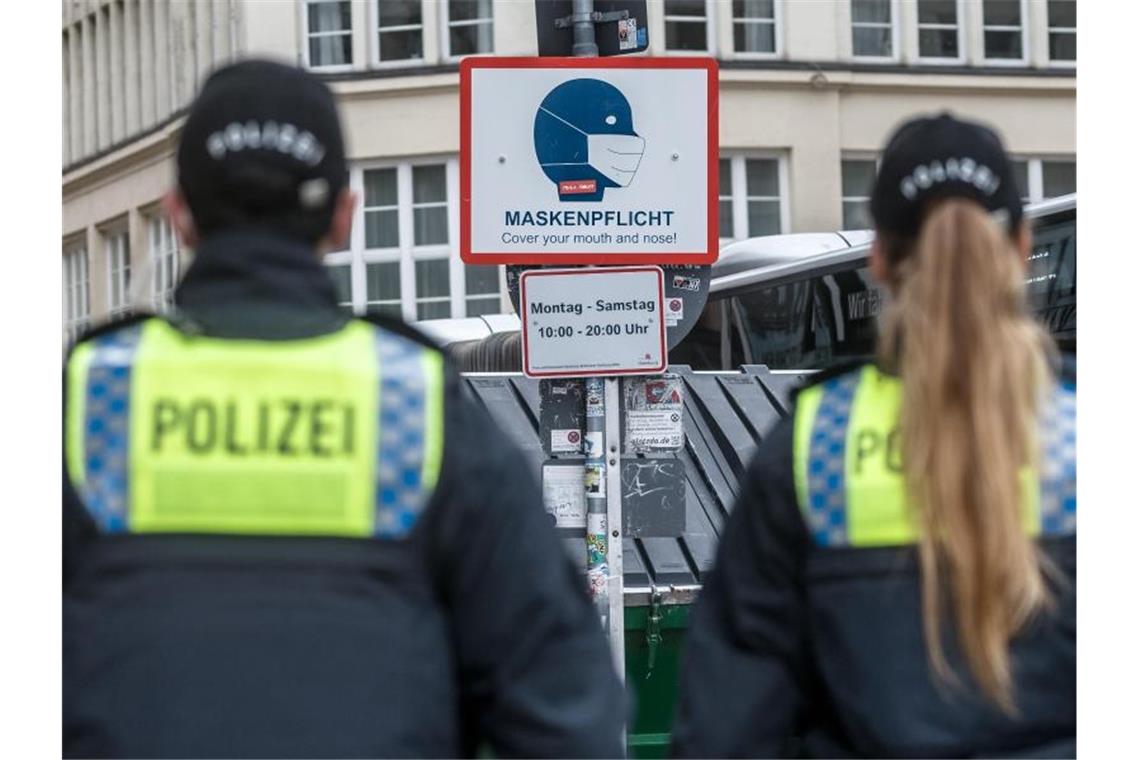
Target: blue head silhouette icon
[584, 139]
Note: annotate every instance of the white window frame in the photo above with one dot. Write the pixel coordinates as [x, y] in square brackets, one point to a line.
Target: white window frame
[894, 57]
[1049, 30]
[777, 31]
[406, 253]
[740, 197]
[165, 259]
[76, 289]
[374, 39]
[844, 199]
[1035, 173]
[306, 35]
[710, 30]
[445, 25]
[1010, 62]
[959, 7]
[117, 243]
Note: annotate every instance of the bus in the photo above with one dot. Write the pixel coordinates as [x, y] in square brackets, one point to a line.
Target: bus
[806, 302]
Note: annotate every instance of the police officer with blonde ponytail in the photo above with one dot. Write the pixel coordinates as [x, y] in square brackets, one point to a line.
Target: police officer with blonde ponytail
[287, 531]
[898, 577]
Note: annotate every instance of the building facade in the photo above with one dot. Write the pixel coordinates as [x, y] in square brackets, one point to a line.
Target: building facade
[809, 90]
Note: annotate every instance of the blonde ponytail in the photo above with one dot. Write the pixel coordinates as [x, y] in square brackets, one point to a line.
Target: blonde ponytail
[973, 366]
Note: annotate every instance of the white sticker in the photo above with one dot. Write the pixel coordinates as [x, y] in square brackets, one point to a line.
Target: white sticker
[565, 441]
[654, 413]
[563, 494]
[593, 447]
[595, 484]
[627, 34]
[656, 429]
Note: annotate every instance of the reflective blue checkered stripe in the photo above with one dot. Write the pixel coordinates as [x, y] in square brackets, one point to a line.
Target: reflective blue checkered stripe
[106, 427]
[401, 494]
[826, 464]
[1059, 464]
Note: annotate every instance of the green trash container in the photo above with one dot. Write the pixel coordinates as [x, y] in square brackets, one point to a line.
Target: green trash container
[654, 635]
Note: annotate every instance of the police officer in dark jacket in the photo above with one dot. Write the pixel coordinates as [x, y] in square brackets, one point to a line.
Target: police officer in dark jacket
[287, 532]
[898, 575]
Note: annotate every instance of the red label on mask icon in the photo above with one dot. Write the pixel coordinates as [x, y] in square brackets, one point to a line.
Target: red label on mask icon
[578, 187]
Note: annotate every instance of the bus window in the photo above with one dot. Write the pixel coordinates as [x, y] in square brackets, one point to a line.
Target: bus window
[812, 323]
[1051, 279]
[701, 348]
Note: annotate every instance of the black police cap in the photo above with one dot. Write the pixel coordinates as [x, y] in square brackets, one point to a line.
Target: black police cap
[262, 144]
[940, 157]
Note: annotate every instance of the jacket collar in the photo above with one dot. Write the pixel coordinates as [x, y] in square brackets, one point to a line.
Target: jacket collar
[250, 283]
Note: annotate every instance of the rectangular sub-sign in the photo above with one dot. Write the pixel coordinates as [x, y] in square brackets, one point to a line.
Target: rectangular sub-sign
[653, 413]
[578, 322]
[588, 161]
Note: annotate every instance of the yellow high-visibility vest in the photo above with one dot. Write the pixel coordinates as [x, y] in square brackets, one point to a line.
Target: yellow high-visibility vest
[337, 435]
[848, 467]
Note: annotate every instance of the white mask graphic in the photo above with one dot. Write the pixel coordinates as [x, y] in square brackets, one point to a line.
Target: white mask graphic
[615, 156]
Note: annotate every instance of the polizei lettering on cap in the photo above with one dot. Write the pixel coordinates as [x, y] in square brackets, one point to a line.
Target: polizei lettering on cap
[936, 172]
[253, 135]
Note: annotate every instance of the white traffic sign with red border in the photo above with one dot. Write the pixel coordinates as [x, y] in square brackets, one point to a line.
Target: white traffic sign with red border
[588, 161]
[580, 322]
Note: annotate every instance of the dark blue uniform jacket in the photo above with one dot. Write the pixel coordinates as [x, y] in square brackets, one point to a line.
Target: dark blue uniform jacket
[801, 650]
[473, 630]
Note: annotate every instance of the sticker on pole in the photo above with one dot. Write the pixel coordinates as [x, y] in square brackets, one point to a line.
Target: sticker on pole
[588, 161]
[578, 322]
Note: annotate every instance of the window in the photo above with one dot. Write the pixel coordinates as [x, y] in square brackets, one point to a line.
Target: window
[754, 26]
[1058, 178]
[341, 275]
[751, 198]
[1042, 178]
[938, 30]
[483, 290]
[429, 205]
[433, 289]
[812, 322]
[400, 30]
[1063, 31]
[1003, 30]
[725, 180]
[382, 288]
[1021, 175]
[164, 262]
[403, 260]
[470, 27]
[872, 29]
[858, 176]
[686, 25]
[329, 33]
[381, 212]
[119, 262]
[763, 186]
[77, 306]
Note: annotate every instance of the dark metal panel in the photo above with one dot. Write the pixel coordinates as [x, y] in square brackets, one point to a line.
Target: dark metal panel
[724, 415]
[636, 573]
[729, 431]
[502, 403]
[667, 563]
[752, 404]
[779, 386]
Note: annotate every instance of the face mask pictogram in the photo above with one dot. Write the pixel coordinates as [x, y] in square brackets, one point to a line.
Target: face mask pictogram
[584, 139]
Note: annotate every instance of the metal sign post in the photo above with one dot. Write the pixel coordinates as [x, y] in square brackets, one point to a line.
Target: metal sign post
[603, 518]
